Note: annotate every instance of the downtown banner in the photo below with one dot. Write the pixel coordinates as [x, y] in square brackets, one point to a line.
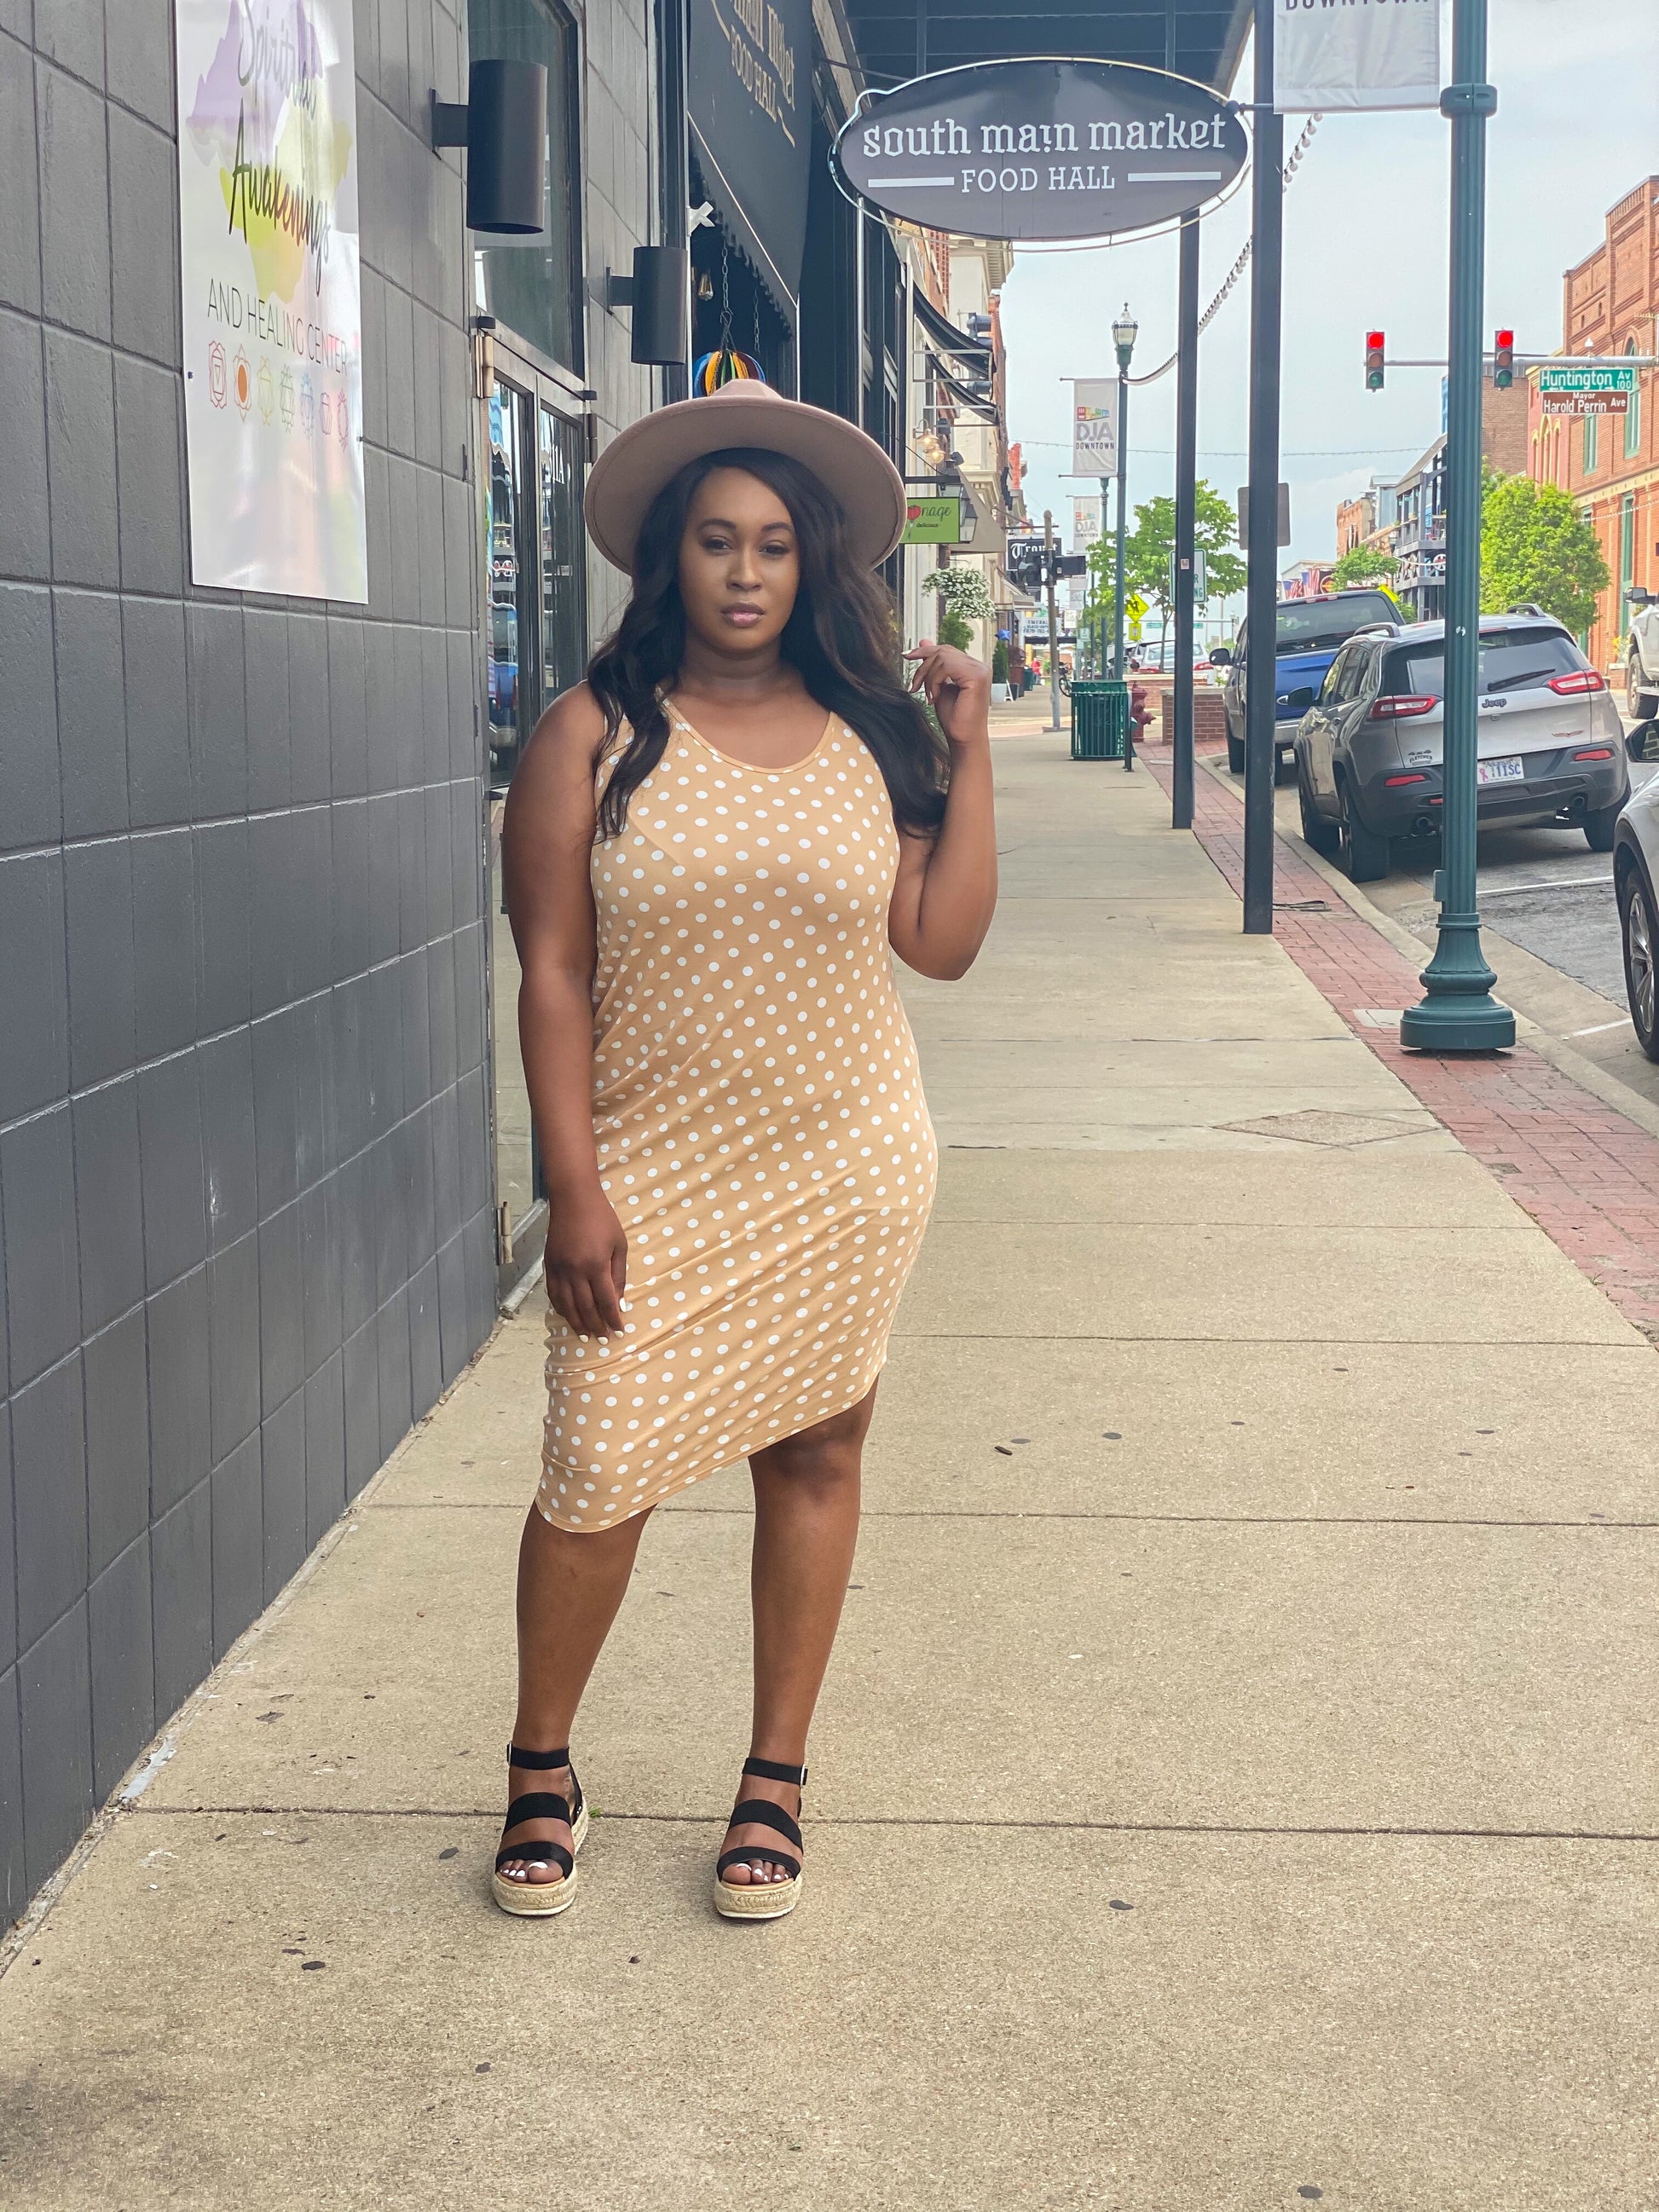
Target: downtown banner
[1333, 54]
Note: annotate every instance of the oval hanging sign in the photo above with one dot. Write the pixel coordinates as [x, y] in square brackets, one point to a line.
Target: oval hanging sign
[1042, 149]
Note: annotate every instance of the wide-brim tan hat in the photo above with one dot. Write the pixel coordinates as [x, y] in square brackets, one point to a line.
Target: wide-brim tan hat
[637, 465]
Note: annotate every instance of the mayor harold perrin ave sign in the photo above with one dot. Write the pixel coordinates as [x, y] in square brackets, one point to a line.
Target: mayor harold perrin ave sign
[1042, 149]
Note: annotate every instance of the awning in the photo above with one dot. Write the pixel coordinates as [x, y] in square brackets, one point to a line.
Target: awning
[943, 332]
[961, 396]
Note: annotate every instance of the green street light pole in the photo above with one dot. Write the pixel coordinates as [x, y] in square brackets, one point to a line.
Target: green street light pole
[1458, 1013]
[1124, 332]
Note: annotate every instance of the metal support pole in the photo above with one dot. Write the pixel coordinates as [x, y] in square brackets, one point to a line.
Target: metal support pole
[1181, 810]
[1098, 664]
[1261, 751]
[674, 159]
[1053, 625]
[1122, 518]
[1460, 1014]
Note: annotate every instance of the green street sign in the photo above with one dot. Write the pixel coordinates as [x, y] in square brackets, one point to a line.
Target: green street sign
[934, 521]
[1564, 376]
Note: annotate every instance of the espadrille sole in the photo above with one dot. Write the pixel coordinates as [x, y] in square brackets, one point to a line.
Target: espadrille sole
[760, 1900]
[541, 1900]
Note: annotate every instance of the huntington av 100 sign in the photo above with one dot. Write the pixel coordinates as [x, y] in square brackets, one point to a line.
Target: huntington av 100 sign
[1566, 389]
[1048, 149]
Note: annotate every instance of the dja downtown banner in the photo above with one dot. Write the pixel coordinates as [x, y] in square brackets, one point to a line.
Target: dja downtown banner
[1094, 426]
[1330, 54]
[272, 301]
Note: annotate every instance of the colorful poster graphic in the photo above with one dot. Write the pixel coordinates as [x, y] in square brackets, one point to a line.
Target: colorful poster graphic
[272, 301]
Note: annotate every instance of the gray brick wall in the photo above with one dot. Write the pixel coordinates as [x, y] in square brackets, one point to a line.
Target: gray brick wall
[244, 1232]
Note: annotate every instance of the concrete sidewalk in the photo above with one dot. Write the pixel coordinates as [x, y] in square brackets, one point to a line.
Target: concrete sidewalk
[1234, 1786]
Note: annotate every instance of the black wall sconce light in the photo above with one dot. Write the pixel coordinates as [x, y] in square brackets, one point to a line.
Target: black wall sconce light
[502, 124]
[659, 294]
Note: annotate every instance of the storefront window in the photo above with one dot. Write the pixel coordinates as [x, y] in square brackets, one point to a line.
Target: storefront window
[1592, 423]
[532, 285]
[563, 600]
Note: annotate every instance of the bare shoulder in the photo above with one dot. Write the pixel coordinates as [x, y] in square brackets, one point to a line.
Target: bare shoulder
[555, 774]
[566, 742]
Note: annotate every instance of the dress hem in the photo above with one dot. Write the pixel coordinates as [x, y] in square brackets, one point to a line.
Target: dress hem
[727, 1459]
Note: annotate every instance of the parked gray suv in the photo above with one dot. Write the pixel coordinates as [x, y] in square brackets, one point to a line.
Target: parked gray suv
[1368, 750]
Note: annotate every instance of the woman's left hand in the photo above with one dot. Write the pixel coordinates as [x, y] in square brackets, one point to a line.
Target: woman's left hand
[958, 689]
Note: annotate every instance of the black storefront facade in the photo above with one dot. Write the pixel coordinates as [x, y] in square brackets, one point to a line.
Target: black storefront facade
[266, 1169]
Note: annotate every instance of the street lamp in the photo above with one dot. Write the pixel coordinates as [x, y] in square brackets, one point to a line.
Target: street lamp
[1124, 332]
[1458, 1012]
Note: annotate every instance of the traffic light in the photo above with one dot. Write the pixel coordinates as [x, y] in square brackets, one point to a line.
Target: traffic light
[1503, 359]
[1374, 361]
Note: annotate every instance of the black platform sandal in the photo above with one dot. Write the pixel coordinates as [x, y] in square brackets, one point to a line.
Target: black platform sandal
[762, 1900]
[537, 1900]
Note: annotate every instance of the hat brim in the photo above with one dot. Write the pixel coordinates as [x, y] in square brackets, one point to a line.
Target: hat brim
[637, 464]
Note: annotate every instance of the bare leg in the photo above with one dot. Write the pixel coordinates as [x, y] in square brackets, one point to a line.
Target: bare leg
[570, 1585]
[806, 1526]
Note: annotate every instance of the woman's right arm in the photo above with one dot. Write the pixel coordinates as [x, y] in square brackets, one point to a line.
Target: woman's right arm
[547, 839]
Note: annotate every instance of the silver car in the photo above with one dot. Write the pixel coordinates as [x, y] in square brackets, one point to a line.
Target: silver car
[1368, 750]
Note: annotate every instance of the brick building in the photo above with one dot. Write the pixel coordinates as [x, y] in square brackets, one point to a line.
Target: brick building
[1610, 462]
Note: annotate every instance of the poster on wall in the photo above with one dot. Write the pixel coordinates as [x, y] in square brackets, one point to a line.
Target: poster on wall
[272, 313]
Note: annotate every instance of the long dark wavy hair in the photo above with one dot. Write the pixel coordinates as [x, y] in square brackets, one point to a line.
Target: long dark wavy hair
[840, 635]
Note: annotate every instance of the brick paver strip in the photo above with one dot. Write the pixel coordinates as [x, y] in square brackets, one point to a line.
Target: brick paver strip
[1587, 1175]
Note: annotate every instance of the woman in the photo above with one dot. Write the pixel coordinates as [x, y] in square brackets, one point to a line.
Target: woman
[710, 847]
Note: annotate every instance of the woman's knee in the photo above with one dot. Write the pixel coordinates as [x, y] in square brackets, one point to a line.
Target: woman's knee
[827, 1454]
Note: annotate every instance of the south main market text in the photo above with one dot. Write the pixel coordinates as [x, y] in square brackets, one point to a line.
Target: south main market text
[1159, 135]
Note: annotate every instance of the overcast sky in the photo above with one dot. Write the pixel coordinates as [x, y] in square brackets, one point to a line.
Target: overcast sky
[1365, 245]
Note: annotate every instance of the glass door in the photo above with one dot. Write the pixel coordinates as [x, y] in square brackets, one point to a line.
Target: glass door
[536, 647]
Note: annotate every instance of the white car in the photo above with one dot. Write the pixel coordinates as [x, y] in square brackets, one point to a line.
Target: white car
[1642, 668]
[1635, 872]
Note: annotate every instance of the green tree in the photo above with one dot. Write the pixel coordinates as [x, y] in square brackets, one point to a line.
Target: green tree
[1364, 564]
[1535, 545]
[1149, 552]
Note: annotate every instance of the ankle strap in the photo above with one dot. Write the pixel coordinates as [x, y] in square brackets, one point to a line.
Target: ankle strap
[538, 1758]
[770, 1770]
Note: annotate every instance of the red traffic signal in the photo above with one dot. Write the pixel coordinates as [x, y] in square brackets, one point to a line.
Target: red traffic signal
[1374, 343]
[1503, 359]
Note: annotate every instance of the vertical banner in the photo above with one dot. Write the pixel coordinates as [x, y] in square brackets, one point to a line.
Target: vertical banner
[1365, 53]
[272, 313]
[1085, 519]
[1094, 426]
[749, 94]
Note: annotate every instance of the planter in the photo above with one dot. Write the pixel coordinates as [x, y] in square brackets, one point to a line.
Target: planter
[1001, 694]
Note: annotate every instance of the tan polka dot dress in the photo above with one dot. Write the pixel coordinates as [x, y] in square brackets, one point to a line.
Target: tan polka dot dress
[762, 1130]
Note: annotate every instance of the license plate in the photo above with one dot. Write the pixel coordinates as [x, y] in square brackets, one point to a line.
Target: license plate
[1500, 771]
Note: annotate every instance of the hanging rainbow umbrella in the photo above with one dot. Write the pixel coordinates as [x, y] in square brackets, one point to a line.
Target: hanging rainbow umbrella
[726, 365]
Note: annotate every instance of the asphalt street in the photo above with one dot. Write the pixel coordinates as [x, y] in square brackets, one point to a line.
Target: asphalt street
[1543, 889]
[1550, 926]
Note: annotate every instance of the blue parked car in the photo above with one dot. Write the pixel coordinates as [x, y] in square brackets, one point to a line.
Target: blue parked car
[1310, 633]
